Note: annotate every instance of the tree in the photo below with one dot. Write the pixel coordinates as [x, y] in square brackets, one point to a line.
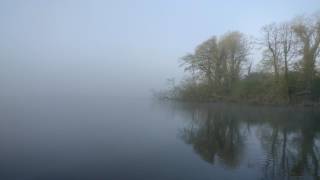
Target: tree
[288, 52]
[219, 62]
[279, 46]
[205, 55]
[236, 46]
[307, 32]
[271, 42]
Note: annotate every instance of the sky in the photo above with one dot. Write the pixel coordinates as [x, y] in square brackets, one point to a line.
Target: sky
[117, 47]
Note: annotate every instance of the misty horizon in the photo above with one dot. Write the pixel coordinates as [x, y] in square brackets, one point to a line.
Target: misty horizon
[117, 48]
[159, 90]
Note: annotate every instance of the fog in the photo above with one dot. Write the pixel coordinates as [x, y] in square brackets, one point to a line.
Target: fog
[76, 77]
[118, 47]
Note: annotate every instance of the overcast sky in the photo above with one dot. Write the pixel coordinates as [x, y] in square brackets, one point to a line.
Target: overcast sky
[117, 47]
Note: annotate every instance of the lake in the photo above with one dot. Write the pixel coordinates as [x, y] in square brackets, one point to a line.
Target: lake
[135, 138]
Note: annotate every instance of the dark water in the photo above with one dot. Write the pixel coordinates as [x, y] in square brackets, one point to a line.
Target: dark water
[117, 138]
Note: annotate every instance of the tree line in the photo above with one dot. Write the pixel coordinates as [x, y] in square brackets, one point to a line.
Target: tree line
[220, 68]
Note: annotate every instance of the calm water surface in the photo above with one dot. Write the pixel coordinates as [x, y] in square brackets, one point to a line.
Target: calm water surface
[117, 138]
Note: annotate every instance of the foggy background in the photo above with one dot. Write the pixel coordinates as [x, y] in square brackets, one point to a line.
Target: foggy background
[117, 47]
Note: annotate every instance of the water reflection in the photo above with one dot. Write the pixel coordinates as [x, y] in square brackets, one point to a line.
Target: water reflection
[288, 137]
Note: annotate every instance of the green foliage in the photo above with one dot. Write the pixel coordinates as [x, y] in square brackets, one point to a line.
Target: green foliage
[254, 86]
[288, 74]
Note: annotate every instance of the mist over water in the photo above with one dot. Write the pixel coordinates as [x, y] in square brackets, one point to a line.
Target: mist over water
[105, 138]
[76, 103]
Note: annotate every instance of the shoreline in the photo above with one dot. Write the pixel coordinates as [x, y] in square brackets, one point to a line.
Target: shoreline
[239, 102]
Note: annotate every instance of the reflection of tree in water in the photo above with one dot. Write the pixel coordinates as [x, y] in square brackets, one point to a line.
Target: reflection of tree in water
[289, 138]
[292, 147]
[216, 135]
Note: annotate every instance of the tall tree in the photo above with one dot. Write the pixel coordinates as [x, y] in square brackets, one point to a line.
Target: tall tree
[307, 31]
[271, 39]
[219, 61]
[237, 50]
[205, 54]
[287, 45]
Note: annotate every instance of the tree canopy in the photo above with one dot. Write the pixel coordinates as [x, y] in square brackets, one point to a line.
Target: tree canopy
[220, 67]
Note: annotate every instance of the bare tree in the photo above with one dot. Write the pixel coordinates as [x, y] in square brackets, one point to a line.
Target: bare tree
[271, 40]
[287, 46]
